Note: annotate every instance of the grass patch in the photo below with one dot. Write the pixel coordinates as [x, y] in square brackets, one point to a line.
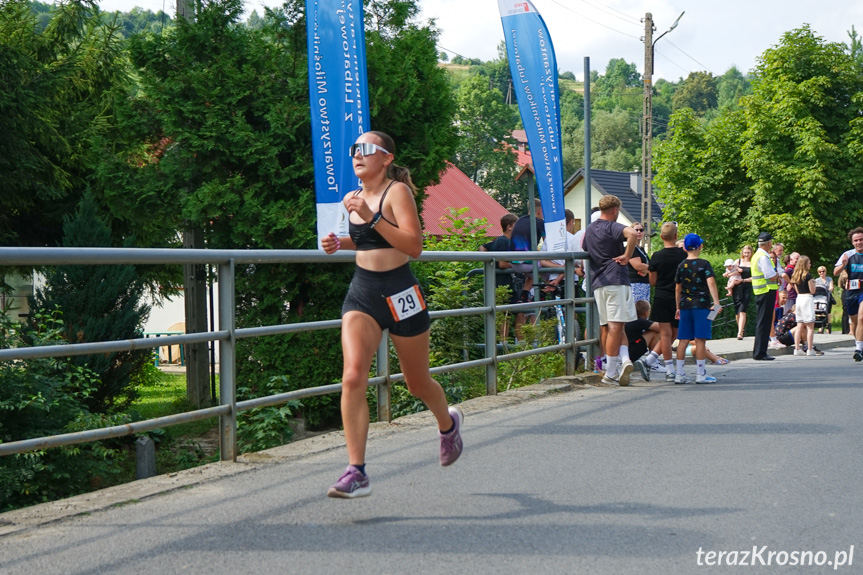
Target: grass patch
[165, 395]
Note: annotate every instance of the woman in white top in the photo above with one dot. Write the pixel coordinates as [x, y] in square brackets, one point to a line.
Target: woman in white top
[803, 282]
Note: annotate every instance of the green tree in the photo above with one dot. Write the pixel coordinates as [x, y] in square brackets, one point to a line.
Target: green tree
[731, 86]
[803, 143]
[57, 86]
[615, 142]
[621, 86]
[484, 123]
[44, 397]
[700, 180]
[410, 96]
[99, 303]
[698, 92]
[855, 47]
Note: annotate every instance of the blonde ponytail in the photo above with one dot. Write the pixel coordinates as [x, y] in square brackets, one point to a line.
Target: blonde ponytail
[403, 175]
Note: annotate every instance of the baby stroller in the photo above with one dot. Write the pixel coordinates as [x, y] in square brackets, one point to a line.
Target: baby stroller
[821, 299]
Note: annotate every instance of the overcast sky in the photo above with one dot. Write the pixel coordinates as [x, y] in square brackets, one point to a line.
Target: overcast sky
[711, 36]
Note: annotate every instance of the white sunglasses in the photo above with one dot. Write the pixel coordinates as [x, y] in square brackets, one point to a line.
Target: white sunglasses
[365, 149]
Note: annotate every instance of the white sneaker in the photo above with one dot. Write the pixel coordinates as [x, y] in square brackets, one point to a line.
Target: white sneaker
[625, 371]
[800, 352]
[705, 379]
[610, 380]
[669, 376]
[681, 378]
[775, 345]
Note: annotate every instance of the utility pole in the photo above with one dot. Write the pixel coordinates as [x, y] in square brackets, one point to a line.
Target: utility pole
[647, 129]
[647, 132]
[195, 292]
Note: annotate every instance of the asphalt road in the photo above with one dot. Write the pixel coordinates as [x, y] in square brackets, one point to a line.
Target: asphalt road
[631, 480]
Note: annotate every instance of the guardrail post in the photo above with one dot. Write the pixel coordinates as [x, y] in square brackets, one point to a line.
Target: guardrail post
[489, 284]
[382, 369]
[591, 325]
[227, 362]
[569, 314]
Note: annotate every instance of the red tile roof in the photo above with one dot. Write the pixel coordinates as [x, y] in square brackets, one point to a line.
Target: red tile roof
[456, 190]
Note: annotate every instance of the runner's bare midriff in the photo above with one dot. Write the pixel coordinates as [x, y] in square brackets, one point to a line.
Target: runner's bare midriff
[381, 260]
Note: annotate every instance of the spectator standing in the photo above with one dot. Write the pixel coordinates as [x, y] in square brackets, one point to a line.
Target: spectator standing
[695, 287]
[742, 293]
[521, 241]
[603, 241]
[804, 285]
[787, 285]
[825, 281]
[765, 276]
[663, 270]
[502, 244]
[853, 265]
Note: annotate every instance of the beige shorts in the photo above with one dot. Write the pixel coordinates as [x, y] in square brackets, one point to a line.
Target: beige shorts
[615, 303]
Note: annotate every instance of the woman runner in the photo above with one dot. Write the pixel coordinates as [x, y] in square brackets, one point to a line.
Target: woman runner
[385, 231]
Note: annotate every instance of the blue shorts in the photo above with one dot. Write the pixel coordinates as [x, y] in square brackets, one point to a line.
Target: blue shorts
[694, 324]
[852, 300]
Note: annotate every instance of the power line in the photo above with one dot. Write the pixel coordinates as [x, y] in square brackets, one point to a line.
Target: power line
[670, 60]
[565, 7]
[623, 16]
[690, 57]
[634, 19]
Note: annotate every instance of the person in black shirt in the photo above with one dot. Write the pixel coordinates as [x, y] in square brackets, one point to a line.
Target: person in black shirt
[642, 335]
[695, 287]
[503, 244]
[662, 269]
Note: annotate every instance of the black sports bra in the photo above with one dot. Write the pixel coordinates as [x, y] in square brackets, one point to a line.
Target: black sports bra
[364, 236]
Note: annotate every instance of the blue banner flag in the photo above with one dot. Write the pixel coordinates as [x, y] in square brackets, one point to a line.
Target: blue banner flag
[534, 75]
[338, 95]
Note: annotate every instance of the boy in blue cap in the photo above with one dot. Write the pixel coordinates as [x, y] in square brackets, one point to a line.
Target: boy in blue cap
[695, 286]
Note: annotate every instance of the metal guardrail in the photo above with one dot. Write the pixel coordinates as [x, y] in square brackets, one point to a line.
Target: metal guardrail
[228, 334]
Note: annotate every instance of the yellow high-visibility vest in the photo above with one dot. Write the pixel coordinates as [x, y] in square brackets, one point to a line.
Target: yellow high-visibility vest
[760, 284]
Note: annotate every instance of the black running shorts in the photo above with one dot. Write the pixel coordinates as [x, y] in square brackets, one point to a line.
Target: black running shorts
[393, 298]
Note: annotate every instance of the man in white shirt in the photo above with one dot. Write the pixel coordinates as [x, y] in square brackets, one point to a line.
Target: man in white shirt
[764, 284]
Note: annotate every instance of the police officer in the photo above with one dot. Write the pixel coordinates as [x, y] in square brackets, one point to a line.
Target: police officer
[765, 277]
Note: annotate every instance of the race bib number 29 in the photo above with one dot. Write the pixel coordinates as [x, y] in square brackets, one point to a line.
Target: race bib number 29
[406, 303]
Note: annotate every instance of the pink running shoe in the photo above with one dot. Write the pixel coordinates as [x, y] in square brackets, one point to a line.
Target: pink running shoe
[451, 443]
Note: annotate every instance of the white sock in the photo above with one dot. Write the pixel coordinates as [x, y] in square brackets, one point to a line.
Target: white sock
[624, 352]
[858, 345]
[702, 370]
[613, 366]
[669, 367]
[773, 340]
[651, 359]
[680, 364]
